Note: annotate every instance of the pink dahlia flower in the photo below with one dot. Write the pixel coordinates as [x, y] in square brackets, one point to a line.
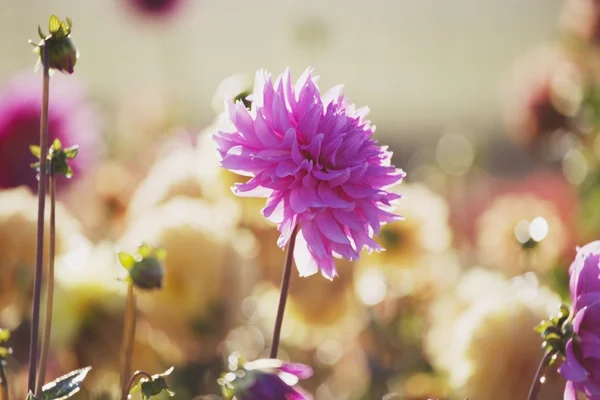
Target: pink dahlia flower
[70, 119]
[581, 367]
[314, 158]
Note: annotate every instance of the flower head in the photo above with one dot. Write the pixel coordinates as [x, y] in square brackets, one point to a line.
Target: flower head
[582, 360]
[314, 159]
[71, 120]
[264, 379]
[62, 54]
[155, 8]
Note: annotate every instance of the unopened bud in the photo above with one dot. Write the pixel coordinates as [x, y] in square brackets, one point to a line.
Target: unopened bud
[147, 273]
[61, 51]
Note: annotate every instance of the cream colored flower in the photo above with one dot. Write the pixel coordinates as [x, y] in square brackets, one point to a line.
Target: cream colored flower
[206, 266]
[18, 227]
[183, 171]
[89, 305]
[482, 336]
[520, 233]
[425, 229]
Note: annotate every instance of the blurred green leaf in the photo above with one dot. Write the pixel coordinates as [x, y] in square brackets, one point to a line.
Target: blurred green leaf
[41, 33]
[4, 335]
[71, 152]
[56, 145]
[65, 386]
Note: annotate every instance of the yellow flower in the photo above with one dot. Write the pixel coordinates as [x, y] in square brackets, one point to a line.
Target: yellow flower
[317, 309]
[520, 233]
[482, 336]
[18, 227]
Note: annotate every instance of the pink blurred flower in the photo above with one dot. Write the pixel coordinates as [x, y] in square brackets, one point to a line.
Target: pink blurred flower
[155, 8]
[314, 159]
[581, 367]
[71, 119]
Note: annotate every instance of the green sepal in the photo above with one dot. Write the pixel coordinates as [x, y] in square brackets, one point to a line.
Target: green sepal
[56, 145]
[153, 387]
[71, 152]
[54, 25]
[126, 259]
[65, 386]
[4, 335]
[41, 33]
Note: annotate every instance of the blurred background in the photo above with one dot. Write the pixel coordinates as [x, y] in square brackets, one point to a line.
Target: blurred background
[492, 109]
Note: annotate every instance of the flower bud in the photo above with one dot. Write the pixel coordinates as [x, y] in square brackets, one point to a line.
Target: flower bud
[145, 268]
[147, 273]
[61, 51]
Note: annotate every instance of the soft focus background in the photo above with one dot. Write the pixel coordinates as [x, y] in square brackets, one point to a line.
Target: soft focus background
[492, 108]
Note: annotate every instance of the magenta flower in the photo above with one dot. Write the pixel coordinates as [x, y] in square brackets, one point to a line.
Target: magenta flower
[581, 367]
[71, 119]
[265, 379]
[314, 159]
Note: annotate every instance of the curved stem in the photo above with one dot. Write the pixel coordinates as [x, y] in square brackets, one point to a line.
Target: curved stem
[49, 286]
[536, 384]
[39, 252]
[285, 286]
[128, 340]
[135, 375]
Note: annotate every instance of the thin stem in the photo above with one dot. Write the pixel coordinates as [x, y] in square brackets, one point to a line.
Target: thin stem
[135, 375]
[39, 252]
[536, 384]
[49, 285]
[4, 394]
[128, 340]
[285, 285]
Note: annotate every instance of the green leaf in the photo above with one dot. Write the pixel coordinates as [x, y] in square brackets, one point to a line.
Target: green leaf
[71, 152]
[35, 150]
[65, 386]
[126, 259]
[54, 24]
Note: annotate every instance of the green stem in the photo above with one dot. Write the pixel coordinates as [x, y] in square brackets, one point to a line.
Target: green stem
[49, 286]
[536, 384]
[285, 286]
[4, 394]
[135, 375]
[128, 341]
[39, 252]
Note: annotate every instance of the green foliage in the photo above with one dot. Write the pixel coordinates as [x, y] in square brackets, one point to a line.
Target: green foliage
[153, 387]
[58, 158]
[63, 387]
[555, 332]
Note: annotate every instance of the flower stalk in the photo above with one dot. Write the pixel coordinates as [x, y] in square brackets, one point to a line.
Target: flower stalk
[3, 383]
[539, 375]
[285, 286]
[128, 341]
[136, 375]
[50, 283]
[39, 256]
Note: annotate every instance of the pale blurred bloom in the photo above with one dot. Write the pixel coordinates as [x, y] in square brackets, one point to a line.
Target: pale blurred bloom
[483, 337]
[424, 230]
[89, 304]
[100, 200]
[236, 87]
[18, 227]
[349, 377]
[519, 233]
[317, 309]
[184, 171]
[544, 90]
[206, 264]
[581, 18]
